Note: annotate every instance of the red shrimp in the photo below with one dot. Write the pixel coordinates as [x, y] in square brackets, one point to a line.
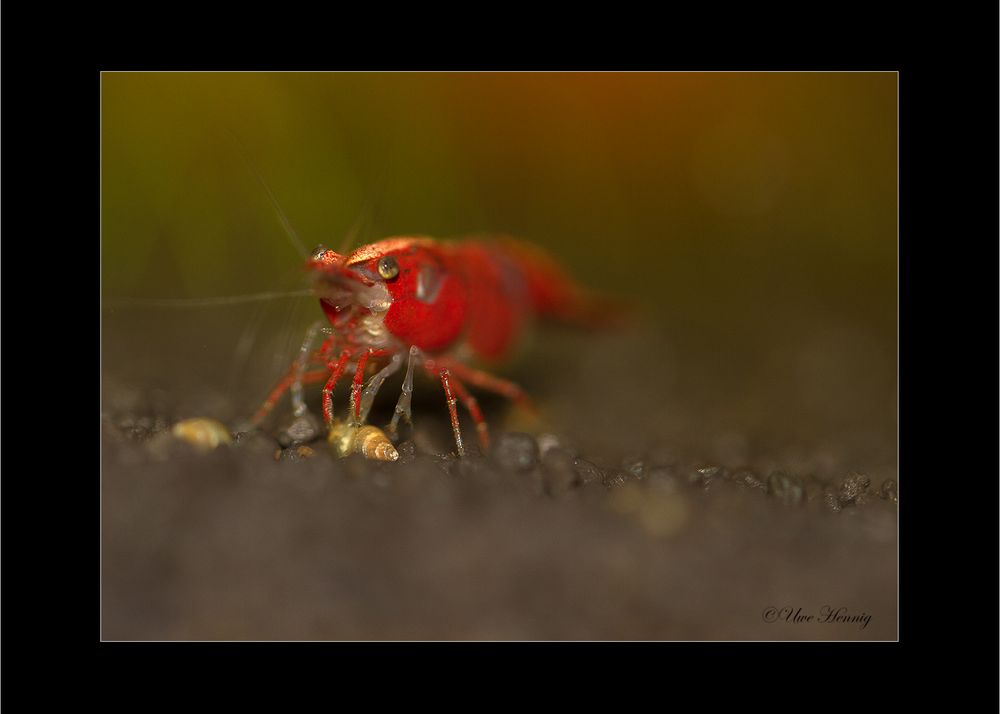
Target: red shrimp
[437, 304]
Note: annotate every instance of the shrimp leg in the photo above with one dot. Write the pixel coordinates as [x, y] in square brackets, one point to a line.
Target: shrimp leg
[282, 386]
[487, 381]
[452, 411]
[405, 396]
[375, 383]
[295, 378]
[359, 380]
[468, 401]
[298, 402]
[336, 369]
[472, 406]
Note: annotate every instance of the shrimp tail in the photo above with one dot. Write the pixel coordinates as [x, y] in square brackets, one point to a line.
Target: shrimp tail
[556, 296]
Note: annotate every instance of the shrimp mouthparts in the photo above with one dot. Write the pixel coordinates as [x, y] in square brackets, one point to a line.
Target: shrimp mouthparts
[340, 287]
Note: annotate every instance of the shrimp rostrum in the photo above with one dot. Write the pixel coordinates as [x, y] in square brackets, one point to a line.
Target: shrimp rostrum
[435, 306]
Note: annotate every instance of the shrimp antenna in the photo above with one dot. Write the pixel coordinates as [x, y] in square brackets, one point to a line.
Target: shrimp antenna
[350, 240]
[285, 223]
[205, 302]
[365, 215]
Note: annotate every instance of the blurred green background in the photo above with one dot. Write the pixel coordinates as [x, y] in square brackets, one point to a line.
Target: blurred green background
[714, 200]
[750, 217]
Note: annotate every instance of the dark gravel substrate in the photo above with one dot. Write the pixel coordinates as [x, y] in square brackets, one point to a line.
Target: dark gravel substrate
[674, 499]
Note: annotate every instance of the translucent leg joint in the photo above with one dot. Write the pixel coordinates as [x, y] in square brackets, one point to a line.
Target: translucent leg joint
[406, 395]
[375, 384]
[298, 402]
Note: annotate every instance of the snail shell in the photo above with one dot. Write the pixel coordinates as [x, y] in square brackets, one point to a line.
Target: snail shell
[369, 441]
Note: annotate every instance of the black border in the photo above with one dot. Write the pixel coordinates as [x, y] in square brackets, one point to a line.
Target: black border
[949, 114]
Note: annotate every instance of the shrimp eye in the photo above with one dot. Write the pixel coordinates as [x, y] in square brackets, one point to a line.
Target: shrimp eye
[388, 268]
[318, 252]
